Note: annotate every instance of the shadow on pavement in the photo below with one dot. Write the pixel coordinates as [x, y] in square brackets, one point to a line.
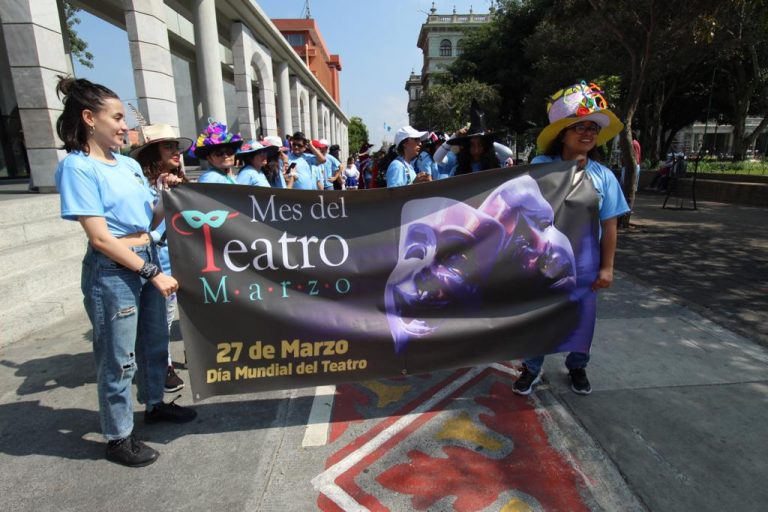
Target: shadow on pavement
[47, 373]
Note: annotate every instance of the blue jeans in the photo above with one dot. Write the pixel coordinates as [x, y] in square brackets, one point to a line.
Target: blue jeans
[573, 361]
[130, 337]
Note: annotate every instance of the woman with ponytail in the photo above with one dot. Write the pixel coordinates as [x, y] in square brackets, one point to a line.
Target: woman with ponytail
[124, 289]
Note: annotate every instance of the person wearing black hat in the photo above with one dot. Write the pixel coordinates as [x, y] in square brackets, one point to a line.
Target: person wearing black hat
[477, 146]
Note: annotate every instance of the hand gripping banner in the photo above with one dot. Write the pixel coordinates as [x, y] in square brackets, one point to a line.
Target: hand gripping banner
[293, 288]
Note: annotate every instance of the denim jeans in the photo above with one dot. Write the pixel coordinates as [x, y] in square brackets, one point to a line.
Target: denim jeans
[130, 337]
[573, 361]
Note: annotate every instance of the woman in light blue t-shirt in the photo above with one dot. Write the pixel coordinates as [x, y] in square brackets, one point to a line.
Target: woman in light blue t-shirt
[218, 147]
[400, 171]
[160, 155]
[256, 172]
[579, 122]
[122, 283]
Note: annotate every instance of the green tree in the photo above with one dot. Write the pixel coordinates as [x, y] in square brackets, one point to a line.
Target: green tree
[78, 47]
[358, 134]
[445, 107]
[741, 33]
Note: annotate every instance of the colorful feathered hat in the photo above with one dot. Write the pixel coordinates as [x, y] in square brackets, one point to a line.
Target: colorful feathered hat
[214, 136]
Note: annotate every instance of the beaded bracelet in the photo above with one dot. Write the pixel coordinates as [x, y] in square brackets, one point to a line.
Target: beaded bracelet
[148, 270]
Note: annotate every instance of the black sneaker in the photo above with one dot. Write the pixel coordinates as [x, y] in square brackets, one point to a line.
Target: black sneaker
[526, 381]
[579, 381]
[131, 452]
[173, 382]
[169, 412]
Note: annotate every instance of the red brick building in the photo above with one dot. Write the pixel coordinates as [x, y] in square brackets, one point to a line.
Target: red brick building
[304, 36]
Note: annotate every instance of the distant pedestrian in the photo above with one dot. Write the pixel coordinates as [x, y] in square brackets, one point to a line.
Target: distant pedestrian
[579, 121]
[123, 287]
[351, 174]
[159, 155]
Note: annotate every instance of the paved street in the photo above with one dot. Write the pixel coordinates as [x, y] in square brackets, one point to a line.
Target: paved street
[677, 421]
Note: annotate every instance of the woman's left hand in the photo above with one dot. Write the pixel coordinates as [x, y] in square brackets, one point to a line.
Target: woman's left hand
[604, 279]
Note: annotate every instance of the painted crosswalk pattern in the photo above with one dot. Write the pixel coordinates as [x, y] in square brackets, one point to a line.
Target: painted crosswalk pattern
[450, 441]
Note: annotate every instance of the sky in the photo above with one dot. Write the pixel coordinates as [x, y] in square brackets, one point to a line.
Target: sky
[375, 39]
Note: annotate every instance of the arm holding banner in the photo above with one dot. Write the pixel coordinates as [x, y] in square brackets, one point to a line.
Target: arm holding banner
[607, 254]
[117, 249]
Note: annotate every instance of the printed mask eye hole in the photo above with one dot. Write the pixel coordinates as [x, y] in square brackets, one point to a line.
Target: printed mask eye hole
[197, 218]
[416, 252]
[214, 218]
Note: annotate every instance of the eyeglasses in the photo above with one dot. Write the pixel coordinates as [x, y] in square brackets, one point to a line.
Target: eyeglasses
[223, 152]
[584, 128]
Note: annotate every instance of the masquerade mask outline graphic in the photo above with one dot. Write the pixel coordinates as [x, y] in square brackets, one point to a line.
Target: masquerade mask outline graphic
[197, 220]
[449, 252]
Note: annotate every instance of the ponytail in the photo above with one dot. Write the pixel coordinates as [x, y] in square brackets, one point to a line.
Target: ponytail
[78, 94]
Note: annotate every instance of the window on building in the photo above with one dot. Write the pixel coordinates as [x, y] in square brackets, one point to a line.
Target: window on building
[295, 39]
[459, 47]
[445, 48]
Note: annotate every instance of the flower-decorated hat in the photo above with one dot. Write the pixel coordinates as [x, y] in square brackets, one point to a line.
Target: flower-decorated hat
[252, 146]
[154, 133]
[575, 104]
[214, 136]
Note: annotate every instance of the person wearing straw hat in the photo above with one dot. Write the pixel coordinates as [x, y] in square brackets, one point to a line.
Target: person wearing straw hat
[217, 146]
[477, 147]
[579, 122]
[160, 154]
[255, 154]
[400, 171]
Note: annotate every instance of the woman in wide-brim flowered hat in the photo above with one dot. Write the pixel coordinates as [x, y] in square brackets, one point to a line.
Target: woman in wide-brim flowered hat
[256, 154]
[218, 147]
[580, 121]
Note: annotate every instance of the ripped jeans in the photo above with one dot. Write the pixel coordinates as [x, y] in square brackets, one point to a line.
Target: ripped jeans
[130, 337]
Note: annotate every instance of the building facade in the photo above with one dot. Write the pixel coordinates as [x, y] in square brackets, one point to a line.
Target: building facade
[440, 40]
[304, 37]
[192, 60]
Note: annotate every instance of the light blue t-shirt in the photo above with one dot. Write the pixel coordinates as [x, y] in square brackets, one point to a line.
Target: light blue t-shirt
[424, 163]
[306, 177]
[611, 198]
[250, 176]
[214, 176]
[448, 167]
[400, 173]
[119, 192]
[330, 167]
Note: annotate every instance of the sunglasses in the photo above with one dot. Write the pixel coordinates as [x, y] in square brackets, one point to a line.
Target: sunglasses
[584, 128]
[223, 152]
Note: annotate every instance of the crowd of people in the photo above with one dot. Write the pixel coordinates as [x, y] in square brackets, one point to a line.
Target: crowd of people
[128, 287]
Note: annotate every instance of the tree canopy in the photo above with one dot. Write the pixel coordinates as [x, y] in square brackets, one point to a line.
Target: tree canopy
[358, 134]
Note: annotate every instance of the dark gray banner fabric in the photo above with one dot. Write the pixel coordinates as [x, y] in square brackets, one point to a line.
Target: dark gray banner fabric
[293, 288]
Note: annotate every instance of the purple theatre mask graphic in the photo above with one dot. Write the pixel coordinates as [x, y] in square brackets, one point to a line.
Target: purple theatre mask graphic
[449, 252]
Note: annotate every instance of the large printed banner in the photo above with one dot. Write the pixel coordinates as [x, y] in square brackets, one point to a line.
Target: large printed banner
[292, 288]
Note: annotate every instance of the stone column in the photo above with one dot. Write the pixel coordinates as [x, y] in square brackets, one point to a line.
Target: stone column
[313, 117]
[208, 60]
[333, 136]
[284, 98]
[151, 58]
[251, 63]
[36, 55]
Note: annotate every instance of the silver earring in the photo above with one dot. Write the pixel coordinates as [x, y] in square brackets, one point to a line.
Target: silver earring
[91, 130]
